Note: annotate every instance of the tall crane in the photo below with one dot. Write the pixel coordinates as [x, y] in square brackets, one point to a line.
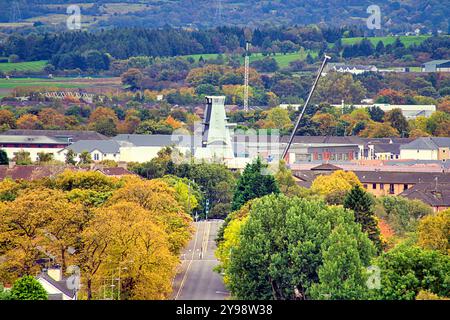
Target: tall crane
[246, 76]
[325, 60]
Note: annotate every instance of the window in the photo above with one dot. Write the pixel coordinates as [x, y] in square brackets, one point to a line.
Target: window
[391, 188]
[96, 157]
[382, 186]
[405, 187]
[374, 186]
[365, 186]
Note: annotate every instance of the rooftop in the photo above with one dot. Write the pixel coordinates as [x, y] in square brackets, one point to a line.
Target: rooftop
[105, 146]
[427, 143]
[435, 194]
[74, 135]
[29, 139]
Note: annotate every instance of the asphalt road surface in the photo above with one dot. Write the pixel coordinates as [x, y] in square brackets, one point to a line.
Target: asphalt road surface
[196, 279]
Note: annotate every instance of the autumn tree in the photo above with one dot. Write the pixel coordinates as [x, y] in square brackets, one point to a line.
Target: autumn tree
[338, 182]
[7, 119]
[398, 121]
[29, 121]
[336, 87]
[434, 231]
[160, 199]
[133, 78]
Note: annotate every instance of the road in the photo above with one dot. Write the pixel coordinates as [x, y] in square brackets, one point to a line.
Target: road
[196, 279]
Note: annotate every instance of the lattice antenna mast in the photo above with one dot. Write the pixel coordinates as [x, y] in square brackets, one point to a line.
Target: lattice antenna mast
[246, 76]
[16, 15]
[218, 14]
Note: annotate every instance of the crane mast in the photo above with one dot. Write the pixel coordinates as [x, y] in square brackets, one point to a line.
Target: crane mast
[297, 124]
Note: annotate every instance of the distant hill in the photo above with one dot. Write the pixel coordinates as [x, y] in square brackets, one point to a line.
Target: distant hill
[397, 16]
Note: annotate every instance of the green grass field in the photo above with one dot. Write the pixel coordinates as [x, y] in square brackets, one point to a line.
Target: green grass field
[36, 82]
[283, 60]
[35, 66]
[406, 40]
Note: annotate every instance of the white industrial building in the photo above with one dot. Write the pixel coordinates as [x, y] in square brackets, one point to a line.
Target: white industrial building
[410, 111]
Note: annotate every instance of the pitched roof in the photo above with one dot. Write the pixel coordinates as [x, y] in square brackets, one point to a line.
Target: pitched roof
[326, 167]
[401, 177]
[427, 143]
[325, 139]
[382, 176]
[435, 194]
[118, 171]
[4, 138]
[387, 148]
[105, 146]
[59, 285]
[157, 140]
[63, 135]
[29, 173]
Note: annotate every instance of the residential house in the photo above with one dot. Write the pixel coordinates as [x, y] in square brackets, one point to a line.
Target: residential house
[98, 149]
[435, 194]
[426, 148]
[57, 286]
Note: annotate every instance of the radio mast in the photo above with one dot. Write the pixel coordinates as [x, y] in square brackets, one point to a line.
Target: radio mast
[246, 76]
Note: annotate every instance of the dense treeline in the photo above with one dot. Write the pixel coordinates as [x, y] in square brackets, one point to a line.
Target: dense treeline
[397, 16]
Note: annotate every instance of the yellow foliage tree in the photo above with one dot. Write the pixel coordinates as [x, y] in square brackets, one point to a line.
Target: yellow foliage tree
[434, 231]
[160, 200]
[128, 239]
[338, 181]
[230, 241]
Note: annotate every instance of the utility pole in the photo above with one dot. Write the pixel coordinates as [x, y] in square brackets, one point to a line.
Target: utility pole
[246, 76]
[325, 60]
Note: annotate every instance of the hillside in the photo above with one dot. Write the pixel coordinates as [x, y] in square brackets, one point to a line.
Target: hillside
[397, 16]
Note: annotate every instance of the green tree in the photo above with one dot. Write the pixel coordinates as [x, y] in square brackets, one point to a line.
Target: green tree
[70, 157]
[279, 247]
[398, 121]
[406, 270]
[85, 158]
[3, 157]
[44, 157]
[362, 205]
[341, 276]
[28, 288]
[22, 158]
[254, 182]
[403, 214]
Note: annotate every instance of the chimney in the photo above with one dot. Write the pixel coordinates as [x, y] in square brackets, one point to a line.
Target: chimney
[55, 273]
[11, 164]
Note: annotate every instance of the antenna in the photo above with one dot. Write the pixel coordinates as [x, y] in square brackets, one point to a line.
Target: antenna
[246, 76]
[218, 15]
[325, 60]
[16, 15]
